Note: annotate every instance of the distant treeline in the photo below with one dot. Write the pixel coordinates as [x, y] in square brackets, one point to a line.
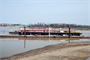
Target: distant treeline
[59, 26]
[53, 25]
[4, 24]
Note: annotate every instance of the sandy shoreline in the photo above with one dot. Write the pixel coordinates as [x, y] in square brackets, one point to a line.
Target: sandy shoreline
[62, 51]
[71, 53]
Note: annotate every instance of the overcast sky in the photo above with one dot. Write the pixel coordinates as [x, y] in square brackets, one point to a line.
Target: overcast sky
[45, 11]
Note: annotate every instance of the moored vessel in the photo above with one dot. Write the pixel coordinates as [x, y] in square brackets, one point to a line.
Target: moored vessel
[45, 32]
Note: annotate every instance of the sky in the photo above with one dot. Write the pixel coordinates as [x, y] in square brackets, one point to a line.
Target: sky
[45, 11]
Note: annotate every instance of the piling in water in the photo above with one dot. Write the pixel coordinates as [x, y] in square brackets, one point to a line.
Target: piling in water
[24, 31]
[69, 32]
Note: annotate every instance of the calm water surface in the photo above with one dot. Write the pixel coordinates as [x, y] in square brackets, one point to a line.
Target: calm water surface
[12, 46]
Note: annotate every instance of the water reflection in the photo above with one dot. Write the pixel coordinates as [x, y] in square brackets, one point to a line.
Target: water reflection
[60, 40]
[69, 40]
[24, 43]
[46, 39]
[12, 46]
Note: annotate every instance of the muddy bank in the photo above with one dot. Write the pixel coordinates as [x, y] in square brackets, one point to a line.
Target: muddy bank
[46, 49]
[71, 53]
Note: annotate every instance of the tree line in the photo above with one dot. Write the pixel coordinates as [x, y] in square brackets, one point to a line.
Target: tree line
[56, 25]
[52, 25]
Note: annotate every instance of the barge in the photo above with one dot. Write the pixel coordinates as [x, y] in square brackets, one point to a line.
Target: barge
[45, 32]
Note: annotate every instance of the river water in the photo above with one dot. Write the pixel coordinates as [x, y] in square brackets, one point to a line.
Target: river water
[12, 46]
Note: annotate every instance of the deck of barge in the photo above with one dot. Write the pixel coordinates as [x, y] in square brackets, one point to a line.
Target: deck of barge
[28, 36]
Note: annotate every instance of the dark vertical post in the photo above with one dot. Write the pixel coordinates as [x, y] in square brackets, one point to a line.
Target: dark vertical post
[69, 32]
[24, 31]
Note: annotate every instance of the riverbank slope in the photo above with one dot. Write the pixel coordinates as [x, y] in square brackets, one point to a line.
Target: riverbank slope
[62, 51]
